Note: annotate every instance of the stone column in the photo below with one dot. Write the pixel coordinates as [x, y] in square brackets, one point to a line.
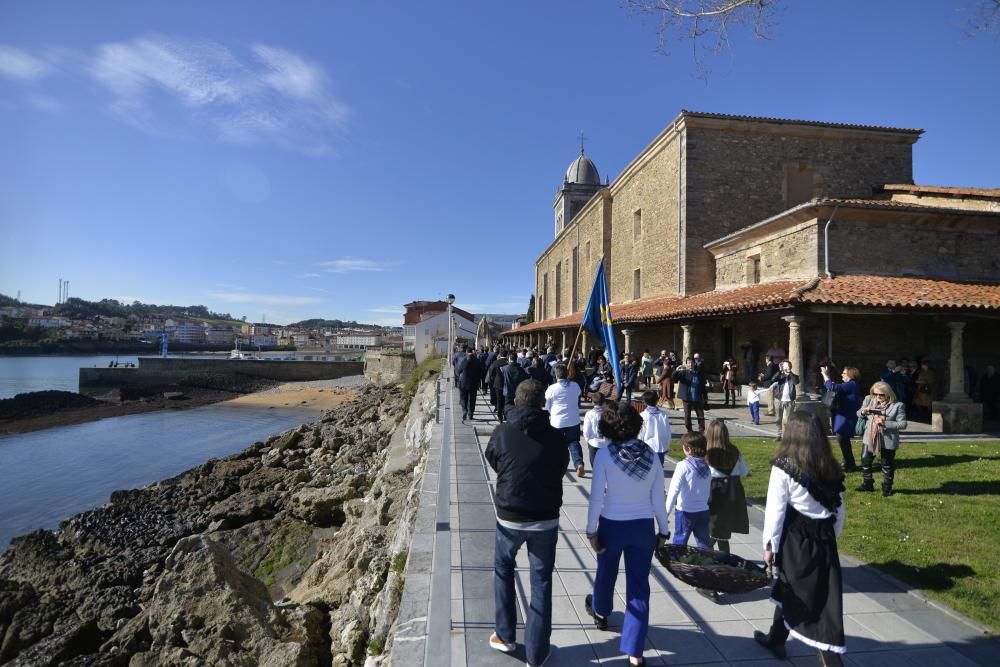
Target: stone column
[686, 344]
[628, 341]
[795, 343]
[956, 366]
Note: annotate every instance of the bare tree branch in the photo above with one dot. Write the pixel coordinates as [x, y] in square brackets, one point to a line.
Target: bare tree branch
[707, 22]
[985, 18]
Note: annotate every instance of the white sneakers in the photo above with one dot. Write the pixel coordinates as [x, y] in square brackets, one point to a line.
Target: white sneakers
[500, 645]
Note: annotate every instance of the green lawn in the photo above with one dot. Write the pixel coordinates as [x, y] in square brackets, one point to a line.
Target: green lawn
[939, 533]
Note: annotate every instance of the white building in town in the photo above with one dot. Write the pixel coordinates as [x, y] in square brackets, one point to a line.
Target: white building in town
[359, 341]
[430, 336]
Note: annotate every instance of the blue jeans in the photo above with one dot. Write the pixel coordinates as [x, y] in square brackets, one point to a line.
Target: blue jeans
[571, 434]
[636, 539]
[755, 412]
[686, 523]
[541, 560]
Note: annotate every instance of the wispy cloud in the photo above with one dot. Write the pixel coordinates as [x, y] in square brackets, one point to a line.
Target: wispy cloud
[230, 286]
[395, 310]
[388, 321]
[309, 275]
[269, 96]
[45, 103]
[19, 64]
[264, 299]
[352, 264]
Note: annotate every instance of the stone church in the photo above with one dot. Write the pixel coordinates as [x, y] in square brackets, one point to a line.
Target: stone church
[735, 235]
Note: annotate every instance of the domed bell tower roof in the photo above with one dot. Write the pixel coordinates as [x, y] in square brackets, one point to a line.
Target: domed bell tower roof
[582, 171]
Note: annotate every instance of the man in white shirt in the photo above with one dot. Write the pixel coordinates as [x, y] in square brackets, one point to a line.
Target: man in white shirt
[655, 431]
[562, 400]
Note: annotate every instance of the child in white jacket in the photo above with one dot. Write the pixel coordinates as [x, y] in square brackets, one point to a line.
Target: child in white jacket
[655, 431]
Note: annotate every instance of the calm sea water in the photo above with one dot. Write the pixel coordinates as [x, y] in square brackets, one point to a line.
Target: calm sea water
[21, 374]
[49, 475]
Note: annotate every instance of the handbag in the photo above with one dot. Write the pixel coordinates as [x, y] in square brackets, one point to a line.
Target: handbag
[831, 400]
[861, 426]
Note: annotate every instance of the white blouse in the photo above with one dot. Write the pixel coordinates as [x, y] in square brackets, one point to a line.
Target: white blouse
[614, 495]
[590, 432]
[782, 491]
[739, 470]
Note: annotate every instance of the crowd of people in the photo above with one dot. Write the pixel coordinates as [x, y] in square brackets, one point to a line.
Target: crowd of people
[540, 435]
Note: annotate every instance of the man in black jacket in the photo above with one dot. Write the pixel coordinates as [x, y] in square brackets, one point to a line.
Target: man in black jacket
[512, 375]
[468, 384]
[691, 391]
[529, 457]
[494, 378]
[783, 389]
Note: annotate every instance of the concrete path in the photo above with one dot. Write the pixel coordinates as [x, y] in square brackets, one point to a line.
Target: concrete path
[885, 625]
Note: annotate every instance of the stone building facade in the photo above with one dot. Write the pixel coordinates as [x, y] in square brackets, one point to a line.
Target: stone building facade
[733, 235]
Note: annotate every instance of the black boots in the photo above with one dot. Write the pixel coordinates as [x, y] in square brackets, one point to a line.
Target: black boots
[888, 474]
[771, 644]
[867, 481]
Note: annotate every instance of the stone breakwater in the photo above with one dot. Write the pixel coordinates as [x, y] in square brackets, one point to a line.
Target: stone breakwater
[291, 552]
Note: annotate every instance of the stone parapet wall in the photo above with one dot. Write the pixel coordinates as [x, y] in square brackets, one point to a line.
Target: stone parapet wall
[155, 370]
[388, 366]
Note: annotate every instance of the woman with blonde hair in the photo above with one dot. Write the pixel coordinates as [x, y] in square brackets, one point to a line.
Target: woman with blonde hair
[727, 503]
[884, 418]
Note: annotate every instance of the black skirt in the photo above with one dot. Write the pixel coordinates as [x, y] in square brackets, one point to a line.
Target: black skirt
[728, 505]
[809, 587]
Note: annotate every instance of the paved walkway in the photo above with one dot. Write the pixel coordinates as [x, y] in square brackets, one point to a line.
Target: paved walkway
[885, 625]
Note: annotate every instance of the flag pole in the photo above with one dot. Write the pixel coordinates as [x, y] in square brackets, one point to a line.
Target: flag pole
[571, 371]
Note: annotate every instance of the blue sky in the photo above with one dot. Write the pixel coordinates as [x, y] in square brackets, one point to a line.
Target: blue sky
[338, 159]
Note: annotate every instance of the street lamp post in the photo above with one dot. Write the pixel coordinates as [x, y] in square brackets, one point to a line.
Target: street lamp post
[451, 325]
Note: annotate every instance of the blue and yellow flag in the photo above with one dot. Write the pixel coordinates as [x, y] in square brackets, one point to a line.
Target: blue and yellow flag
[597, 320]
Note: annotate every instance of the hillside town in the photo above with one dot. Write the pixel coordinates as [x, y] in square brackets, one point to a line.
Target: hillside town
[25, 323]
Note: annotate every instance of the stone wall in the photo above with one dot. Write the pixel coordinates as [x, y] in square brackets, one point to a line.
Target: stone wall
[589, 227]
[928, 247]
[787, 254]
[388, 366]
[736, 177]
[154, 370]
[649, 188]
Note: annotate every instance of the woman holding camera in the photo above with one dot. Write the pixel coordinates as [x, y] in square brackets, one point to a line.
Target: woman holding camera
[845, 415]
[886, 417]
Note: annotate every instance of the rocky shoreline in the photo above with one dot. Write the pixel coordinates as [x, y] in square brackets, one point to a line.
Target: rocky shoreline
[291, 552]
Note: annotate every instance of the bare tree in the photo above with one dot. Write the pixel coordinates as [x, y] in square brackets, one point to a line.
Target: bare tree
[985, 18]
[706, 23]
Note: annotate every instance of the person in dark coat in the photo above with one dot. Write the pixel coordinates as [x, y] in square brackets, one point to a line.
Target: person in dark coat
[529, 457]
[512, 375]
[537, 371]
[495, 380]
[629, 375]
[845, 416]
[468, 384]
[691, 391]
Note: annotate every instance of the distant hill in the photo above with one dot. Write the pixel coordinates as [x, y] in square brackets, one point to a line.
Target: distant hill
[317, 323]
[81, 309]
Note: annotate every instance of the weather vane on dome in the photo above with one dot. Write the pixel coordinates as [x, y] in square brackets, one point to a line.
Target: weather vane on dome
[582, 137]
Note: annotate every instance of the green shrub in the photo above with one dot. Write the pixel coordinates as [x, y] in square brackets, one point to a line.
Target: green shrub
[376, 645]
[399, 562]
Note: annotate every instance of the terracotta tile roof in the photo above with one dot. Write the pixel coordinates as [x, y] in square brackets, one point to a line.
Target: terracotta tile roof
[865, 291]
[893, 292]
[941, 190]
[792, 121]
[764, 296]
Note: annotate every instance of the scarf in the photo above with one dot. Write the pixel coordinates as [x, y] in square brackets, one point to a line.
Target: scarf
[699, 466]
[874, 435]
[633, 457]
[826, 493]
